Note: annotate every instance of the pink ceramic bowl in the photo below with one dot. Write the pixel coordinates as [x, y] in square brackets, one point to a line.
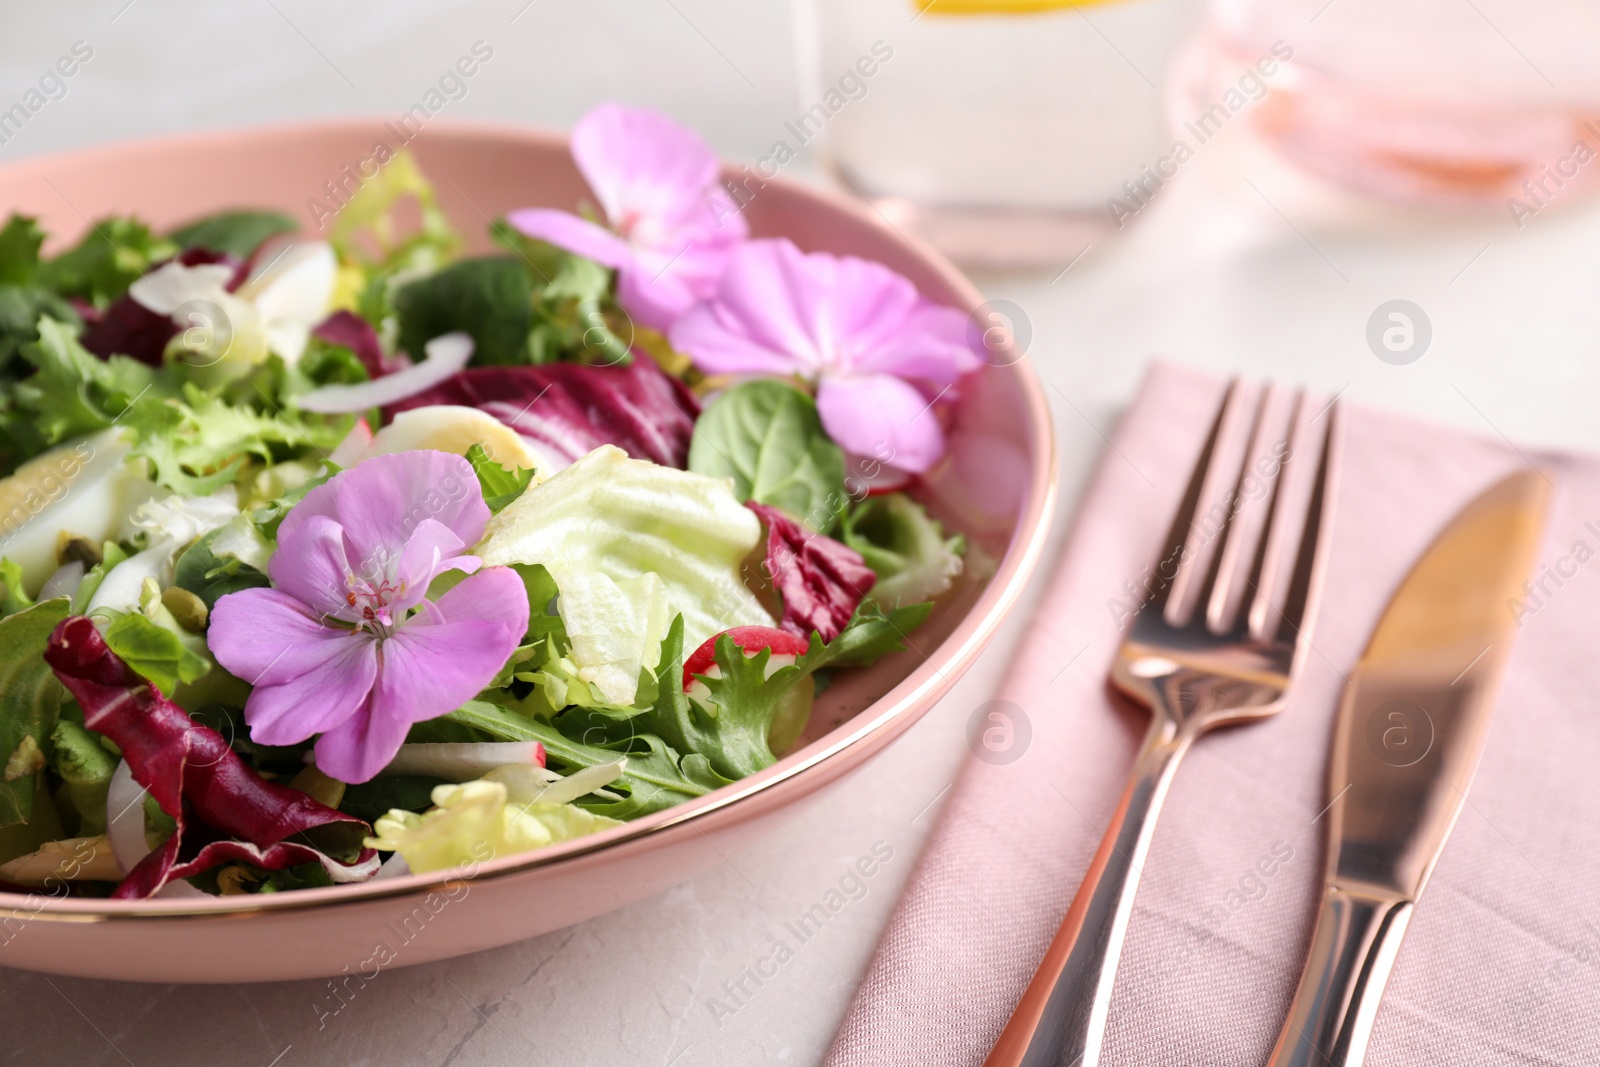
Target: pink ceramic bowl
[997, 487]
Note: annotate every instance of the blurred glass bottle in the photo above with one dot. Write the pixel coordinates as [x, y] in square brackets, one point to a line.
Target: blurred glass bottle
[1462, 103]
[996, 129]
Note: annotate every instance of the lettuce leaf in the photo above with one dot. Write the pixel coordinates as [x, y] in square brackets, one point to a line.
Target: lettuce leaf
[30, 700]
[766, 436]
[114, 254]
[21, 308]
[622, 518]
[472, 817]
[237, 233]
[821, 581]
[910, 554]
[570, 409]
[368, 229]
[155, 651]
[73, 391]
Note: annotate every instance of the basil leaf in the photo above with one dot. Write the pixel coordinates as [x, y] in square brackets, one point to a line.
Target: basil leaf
[489, 298]
[238, 233]
[767, 437]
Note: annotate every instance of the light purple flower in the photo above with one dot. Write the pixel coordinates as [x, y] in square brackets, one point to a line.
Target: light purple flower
[879, 354]
[672, 224]
[346, 644]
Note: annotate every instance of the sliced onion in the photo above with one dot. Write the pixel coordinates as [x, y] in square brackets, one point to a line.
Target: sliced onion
[464, 762]
[125, 828]
[125, 818]
[445, 356]
[538, 785]
[393, 867]
[64, 582]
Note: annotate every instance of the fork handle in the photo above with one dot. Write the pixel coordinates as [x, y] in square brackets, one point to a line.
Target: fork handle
[1353, 949]
[1061, 1019]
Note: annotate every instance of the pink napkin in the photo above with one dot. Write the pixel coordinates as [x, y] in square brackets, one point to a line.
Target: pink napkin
[1502, 963]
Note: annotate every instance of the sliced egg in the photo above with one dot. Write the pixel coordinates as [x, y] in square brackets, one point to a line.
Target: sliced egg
[84, 488]
[455, 428]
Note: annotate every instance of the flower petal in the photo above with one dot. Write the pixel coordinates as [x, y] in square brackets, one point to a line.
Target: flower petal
[577, 235]
[641, 164]
[362, 745]
[933, 344]
[880, 415]
[445, 654]
[308, 676]
[381, 501]
[316, 572]
[437, 660]
[432, 550]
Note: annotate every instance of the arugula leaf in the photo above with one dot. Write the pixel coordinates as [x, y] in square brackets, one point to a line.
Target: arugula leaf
[500, 485]
[767, 437]
[20, 240]
[238, 233]
[907, 549]
[74, 392]
[30, 700]
[114, 254]
[154, 651]
[488, 297]
[656, 776]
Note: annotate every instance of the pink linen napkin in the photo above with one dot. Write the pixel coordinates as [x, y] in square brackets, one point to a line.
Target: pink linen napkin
[1502, 962]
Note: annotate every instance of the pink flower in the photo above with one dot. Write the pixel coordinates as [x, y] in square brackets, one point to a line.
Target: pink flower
[346, 643]
[879, 354]
[672, 225]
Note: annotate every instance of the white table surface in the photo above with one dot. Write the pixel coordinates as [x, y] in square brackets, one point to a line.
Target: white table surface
[1237, 266]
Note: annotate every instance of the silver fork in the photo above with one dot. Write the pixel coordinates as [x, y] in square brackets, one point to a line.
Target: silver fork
[1198, 657]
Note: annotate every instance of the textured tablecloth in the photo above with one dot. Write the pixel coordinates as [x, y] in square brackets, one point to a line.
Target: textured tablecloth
[1502, 962]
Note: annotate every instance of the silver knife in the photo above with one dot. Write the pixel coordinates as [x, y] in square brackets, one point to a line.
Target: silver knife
[1410, 730]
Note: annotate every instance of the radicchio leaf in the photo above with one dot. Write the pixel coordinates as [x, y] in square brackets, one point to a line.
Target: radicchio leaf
[349, 330]
[821, 581]
[573, 408]
[128, 328]
[196, 778]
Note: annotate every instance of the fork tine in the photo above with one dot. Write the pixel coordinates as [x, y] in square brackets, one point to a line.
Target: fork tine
[1220, 585]
[1264, 569]
[1306, 570]
[1170, 576]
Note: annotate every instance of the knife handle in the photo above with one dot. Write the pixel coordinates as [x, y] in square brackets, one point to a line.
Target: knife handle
[1061, 1018]
[1353, 949]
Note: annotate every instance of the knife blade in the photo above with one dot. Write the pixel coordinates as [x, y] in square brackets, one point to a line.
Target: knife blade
[1411, 727]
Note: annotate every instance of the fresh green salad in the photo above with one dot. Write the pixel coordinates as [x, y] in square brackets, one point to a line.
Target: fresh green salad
[329, 556]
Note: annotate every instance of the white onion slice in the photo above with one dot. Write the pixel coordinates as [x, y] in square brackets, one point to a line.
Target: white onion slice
[445, 356]
[393, 867]
[64, 582]
[538, 785]
[125, 818]
[462, 762]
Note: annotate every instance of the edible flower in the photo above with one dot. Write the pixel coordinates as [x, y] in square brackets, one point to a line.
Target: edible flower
[879, 355]
[346, 643]
[671, 225]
